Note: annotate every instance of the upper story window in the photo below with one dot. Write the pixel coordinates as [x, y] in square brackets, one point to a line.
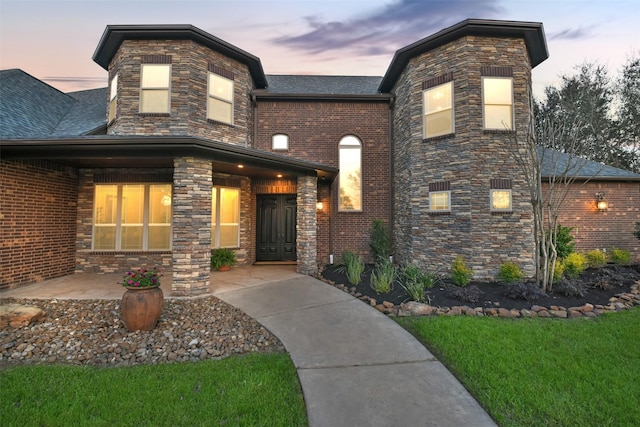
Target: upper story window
[220, 95]
[113, 98]
[350, 153]
[497, 97]
[155, 82]
[132, 217]
[280, 142]
[437, 106]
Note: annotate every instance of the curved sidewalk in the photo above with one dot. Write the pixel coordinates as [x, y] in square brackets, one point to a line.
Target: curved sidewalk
[356, 366]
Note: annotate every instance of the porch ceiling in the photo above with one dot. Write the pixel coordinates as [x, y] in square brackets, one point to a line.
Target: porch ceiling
[159, 151]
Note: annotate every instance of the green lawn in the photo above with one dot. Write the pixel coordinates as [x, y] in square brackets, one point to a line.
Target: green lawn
[252, 390]
[543, 372]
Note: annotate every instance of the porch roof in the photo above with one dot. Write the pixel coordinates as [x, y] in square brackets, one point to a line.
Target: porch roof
[159, 151]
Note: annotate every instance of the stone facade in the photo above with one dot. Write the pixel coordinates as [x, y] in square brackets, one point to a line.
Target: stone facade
[468, 160]
[188, 105]
[192, 183]
[307, 225]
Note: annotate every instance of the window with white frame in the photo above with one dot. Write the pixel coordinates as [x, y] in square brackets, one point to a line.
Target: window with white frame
[440, 197]
[349, 178]
[500, 195]
[113, 97]
[497, 95]
[280, 142]
[440, 201]
[129, 217]
[155, 82]
[225, 217]
[437, 107]
[220, 99]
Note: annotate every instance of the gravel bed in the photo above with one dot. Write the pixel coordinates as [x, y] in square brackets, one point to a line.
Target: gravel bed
[91, 332]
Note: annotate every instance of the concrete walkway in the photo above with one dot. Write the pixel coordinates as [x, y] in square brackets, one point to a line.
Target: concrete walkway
[356, 366]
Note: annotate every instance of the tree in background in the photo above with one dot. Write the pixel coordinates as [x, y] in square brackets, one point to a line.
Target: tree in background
[605, 115]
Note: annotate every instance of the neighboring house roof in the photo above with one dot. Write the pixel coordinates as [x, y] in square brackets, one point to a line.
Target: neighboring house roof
[30, 108]
[325, 85]
[531, 32]
[114, 35]
[558, 163]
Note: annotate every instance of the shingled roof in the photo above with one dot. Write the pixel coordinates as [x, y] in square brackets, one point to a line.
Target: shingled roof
[323, 85]
[30, 108]
[556, 163]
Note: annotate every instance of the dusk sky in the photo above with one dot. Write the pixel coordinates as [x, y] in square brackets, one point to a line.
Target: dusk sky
[55, 40]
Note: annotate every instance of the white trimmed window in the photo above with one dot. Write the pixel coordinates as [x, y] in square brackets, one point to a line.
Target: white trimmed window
[350, 153]
[113, 97]
[220, 99]
[501, 201]
[437, 107]
[132, 217]
[155, 82]
[225, 217]
[280, 142]
[497, 97]
[440, 201]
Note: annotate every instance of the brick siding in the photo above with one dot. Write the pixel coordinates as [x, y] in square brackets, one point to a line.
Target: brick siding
[38, 221]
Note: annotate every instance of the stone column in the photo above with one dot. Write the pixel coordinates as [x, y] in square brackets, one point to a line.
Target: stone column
[306, 239]
[191, 225]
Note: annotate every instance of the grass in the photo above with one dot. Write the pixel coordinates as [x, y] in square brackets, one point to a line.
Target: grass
[543, 372]
[251, 390]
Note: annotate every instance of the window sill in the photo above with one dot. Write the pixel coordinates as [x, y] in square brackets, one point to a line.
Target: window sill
[501, 212]
[216, 122]
[439, 137]
[499, 131]
[136, 252]
[154, 114]
[438, 213]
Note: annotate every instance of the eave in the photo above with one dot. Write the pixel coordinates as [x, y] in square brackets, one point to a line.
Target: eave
[114, 35]
[159, 151]
[531, 32]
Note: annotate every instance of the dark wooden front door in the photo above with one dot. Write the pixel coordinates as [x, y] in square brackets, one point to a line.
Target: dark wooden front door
[276, 227]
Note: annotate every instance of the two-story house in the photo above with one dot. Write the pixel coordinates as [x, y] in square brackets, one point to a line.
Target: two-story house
[193, 147]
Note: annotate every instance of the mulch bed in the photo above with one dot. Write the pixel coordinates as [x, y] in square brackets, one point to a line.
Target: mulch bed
[597, 285]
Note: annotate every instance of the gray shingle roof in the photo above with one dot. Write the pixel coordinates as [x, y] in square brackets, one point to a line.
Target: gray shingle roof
[555, 162]
[323, 85]
[30, 108]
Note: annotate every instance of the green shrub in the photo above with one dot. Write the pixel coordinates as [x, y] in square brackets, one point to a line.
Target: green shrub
[510, 272]
[574, 264]
[620, 256]
[380, 240]
[353, 266]
[222, 257]
[383, 276]
[417, 280]
[460, 273]
[559, 270]
[596, 258]
[564, 241]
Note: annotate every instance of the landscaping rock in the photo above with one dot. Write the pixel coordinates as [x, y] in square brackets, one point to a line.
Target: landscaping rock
[17, 315]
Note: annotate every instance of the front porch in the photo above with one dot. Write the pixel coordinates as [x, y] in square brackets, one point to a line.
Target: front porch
[88, 286]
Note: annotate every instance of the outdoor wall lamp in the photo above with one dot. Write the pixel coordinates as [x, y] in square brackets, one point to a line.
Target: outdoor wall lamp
[601, 203]
[319, 206]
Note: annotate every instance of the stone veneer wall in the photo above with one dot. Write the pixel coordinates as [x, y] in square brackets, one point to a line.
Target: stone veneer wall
[306, 239]
[614, 227]
[89, 261]
[192, 182]
[189, 79]
[469, 159]
[37, 221]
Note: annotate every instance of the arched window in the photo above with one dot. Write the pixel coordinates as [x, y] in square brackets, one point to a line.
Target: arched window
[350, 197]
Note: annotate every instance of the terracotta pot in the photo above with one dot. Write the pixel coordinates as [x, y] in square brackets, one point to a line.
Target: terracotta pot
[141, 307]
[224, 268]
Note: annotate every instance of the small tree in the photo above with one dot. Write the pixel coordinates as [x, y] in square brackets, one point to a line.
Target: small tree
[380, 240]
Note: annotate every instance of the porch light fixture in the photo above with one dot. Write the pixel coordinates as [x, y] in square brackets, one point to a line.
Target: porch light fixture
[319, 205]
[601, 203]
